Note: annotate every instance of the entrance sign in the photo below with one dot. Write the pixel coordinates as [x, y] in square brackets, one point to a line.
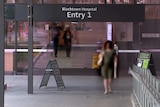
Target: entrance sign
[52, 69]
[145, 60]
[78, 12]
[89, 12]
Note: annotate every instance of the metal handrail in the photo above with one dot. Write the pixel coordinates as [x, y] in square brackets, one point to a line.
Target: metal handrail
[146, 87]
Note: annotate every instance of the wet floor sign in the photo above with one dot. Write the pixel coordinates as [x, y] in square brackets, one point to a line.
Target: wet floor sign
[94, 61]
[52, 69]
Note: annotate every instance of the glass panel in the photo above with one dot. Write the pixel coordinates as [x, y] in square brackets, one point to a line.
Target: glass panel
[123, 32]
[10, 1]
[109, 31]
[9, 53]
[81, 43]
[67, 1]
[77, 1]
[150, 1]
[52, 1]
[73, 1]
[85, 1]
[21, 1]
[119, 1]
[152, 12]
[17, 60]
[126, 38]
[37, 1]
[10, 38]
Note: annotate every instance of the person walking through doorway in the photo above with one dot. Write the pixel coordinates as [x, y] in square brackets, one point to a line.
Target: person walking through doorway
[68, 41]
[55, 33]
[109, 61]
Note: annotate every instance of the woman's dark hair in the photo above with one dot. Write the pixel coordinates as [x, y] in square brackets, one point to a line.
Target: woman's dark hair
[68, 30]
[109, 43]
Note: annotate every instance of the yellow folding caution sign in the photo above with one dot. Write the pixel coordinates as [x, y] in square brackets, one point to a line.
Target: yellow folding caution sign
[94, 61]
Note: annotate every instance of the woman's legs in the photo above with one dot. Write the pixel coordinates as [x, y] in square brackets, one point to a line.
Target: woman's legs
[109, 84]
[109, 79]
[105, 86]
[68, 49]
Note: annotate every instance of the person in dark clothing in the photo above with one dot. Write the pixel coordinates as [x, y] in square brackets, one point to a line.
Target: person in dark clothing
[55, 33]
[68, 40]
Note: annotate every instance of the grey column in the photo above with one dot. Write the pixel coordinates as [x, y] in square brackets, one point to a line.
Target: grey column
[30, 48]
[15, 53]
[2, 53]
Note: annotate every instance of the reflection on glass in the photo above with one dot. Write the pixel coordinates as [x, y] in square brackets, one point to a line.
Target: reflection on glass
[123, 31]
[10, 1]
[87, 1]
[109, 31]
[152, 12]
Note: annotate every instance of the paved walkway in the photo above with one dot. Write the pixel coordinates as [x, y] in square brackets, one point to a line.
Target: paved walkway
[80, 91]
